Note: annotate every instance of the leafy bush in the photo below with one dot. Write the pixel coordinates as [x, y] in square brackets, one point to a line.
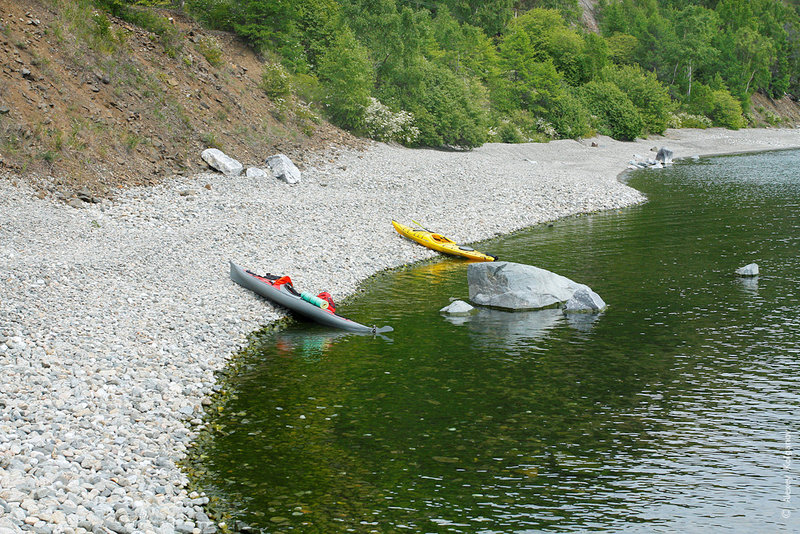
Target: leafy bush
[383, 124]
[307, 88]
[687, 120]
[726, 110]
[275, 81]
[614, 112]
[507, 132]
[569, 116]
[650, 97]
[717, 104]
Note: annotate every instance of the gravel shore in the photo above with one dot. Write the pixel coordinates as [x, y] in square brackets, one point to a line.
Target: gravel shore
[114, 317]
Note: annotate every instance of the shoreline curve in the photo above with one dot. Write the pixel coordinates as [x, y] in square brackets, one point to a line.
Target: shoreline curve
[114, 318]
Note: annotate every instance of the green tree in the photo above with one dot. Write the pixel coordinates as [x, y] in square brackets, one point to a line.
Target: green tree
[748, 58]
[463, 48]
[530, 80]
[696, 27]
[578, 58]
[650, 97]
[612, 110]
[269, 26]
[347, 77]
[492, 16]
[448, 110]
[622, 48]
[570, 10]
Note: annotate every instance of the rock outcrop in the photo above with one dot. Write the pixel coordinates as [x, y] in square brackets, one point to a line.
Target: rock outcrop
[515, 286]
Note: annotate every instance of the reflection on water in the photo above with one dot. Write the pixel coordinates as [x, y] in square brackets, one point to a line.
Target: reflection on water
[674, 410]
[749, 284]
[512, 331]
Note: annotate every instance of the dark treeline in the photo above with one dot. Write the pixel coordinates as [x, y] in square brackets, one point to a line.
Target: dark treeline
[463, 72]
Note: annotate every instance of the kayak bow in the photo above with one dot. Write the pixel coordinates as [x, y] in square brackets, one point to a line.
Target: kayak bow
[440, 243]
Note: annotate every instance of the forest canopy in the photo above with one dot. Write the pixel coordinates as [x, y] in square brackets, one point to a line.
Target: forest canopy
[458, 73]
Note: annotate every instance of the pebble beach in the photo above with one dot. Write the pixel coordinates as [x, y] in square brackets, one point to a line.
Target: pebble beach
[114, 316]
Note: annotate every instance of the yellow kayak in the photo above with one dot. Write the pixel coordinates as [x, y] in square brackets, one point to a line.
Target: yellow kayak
[440, 243]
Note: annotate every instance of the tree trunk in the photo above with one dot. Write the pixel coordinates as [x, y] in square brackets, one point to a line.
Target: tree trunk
[675, 72]
[747, 87]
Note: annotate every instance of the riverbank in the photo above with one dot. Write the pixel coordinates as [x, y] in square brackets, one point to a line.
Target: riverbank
[114, 317]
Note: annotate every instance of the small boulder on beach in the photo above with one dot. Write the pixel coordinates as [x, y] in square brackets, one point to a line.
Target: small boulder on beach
[256, 172]
[283, 168]
[664, 155]
[220, 161]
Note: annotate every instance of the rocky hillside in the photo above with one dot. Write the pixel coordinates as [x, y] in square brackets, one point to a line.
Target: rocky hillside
[90, 103]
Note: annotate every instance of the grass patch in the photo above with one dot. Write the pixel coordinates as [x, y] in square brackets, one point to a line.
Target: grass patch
[132, 141]
[57, 136]
[210, 140]
[92, 28]
[49, 156]
[209, 48]
[166, 34]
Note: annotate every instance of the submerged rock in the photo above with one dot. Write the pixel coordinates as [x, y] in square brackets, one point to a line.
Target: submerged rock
[457, 307]
[748, 270]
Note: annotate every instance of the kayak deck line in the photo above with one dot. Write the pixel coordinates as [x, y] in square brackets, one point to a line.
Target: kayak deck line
[279, 290]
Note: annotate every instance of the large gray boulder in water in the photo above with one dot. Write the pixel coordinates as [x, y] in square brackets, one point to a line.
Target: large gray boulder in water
[283, 168]
[515, 286]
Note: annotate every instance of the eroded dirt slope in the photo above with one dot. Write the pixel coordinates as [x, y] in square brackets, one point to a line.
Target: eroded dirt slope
[89, 102]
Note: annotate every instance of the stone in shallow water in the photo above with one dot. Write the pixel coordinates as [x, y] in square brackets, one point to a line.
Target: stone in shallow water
[457, 307]
[585, 300]
[748, 270]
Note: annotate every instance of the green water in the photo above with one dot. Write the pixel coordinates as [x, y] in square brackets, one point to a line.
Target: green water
[678, 408]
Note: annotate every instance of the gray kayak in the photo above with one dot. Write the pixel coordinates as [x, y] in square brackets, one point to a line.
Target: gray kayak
[285, 295]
